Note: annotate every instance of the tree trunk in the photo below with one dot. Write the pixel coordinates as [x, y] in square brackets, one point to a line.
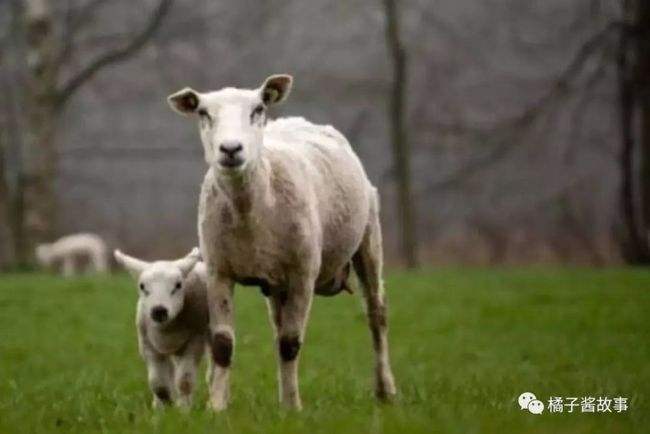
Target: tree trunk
[634, 105]
[399, 138]
[6, 237]
[632, 246]
[642, 56]
[36, 183]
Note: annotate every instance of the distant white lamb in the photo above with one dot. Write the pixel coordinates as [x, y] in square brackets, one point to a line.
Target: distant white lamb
[172, 323]
[68, 250]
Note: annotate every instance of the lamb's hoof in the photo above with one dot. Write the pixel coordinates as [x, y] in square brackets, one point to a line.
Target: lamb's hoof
[216, 405]
[291, 406]
[158, 405]
[184, 406]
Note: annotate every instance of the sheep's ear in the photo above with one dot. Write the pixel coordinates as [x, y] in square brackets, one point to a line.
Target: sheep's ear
[188, 262]
[134, 266]
[184, 101]
[276, 88]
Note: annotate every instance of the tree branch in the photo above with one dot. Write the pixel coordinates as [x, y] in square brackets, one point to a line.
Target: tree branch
[511, 128]
[116, 55]
[573, 69]
[74, 21]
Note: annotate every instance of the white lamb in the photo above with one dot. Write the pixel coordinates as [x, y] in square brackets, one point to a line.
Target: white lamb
[69, 250]
[287, 206]
[172, 323]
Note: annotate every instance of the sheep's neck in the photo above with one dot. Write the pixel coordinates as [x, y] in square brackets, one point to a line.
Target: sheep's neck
[248, 189]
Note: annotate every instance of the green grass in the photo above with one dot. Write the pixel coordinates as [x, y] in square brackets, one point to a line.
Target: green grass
[465, 344]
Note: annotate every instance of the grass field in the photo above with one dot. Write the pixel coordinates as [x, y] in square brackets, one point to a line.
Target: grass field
[465, 344]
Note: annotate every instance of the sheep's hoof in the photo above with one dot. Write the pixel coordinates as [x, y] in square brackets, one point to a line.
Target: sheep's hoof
[386, 391]
[385, 397]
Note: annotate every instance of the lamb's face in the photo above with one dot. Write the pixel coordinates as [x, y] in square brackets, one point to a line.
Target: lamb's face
[161, 292]
[160, 283]
[231, 121]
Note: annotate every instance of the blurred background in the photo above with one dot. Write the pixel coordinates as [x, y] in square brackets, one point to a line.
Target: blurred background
[498, 132]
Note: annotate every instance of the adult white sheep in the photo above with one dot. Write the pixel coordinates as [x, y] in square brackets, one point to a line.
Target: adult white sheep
[285, 205]
[69, 249]
[172, 323]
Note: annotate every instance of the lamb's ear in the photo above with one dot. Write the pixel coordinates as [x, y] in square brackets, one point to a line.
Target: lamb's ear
[188, 262]
[276, 88]
[184, 101]
[133, 265]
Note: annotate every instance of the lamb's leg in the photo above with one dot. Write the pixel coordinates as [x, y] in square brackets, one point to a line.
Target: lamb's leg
[185, 368]
[68, 266]
[289, 312]
[222, 340]
[100, 261]
[93, 263]
[367, 263]
[160, 373]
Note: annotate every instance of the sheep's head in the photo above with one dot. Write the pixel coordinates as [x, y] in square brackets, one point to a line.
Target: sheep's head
[43, 254]
[231, 121]
[160, 283]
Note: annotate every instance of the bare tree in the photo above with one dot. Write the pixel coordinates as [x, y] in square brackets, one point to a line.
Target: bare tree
[45, 96]
[7, 128]
[6, 240]
[634, 106]
[406, 209]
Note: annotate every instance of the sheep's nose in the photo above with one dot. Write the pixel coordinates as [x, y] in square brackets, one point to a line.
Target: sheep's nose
[159, 314]
[231, 148]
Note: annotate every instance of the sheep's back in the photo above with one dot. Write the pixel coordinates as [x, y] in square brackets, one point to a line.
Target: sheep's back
[320, 158]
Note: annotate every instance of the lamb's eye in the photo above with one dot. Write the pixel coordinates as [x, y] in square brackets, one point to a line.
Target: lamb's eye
[204, 113]
[258, 110]
[177, 287]
[144, 291]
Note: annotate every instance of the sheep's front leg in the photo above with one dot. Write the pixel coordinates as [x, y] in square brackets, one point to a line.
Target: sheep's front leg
[160, 372]
[186, 365]
[289, 313]
[222, 339]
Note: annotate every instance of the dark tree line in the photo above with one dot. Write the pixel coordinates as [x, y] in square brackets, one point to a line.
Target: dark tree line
[479, 104]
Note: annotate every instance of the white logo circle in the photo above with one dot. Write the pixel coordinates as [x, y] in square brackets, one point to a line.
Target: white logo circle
[525, 399]
[536, 406]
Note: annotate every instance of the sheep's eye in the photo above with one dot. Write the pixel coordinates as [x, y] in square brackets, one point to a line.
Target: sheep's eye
[257, 112]
[177, 287]
[204, 113]
[144, 291]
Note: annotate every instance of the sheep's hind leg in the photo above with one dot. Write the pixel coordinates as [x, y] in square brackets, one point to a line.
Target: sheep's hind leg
[367, 263]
